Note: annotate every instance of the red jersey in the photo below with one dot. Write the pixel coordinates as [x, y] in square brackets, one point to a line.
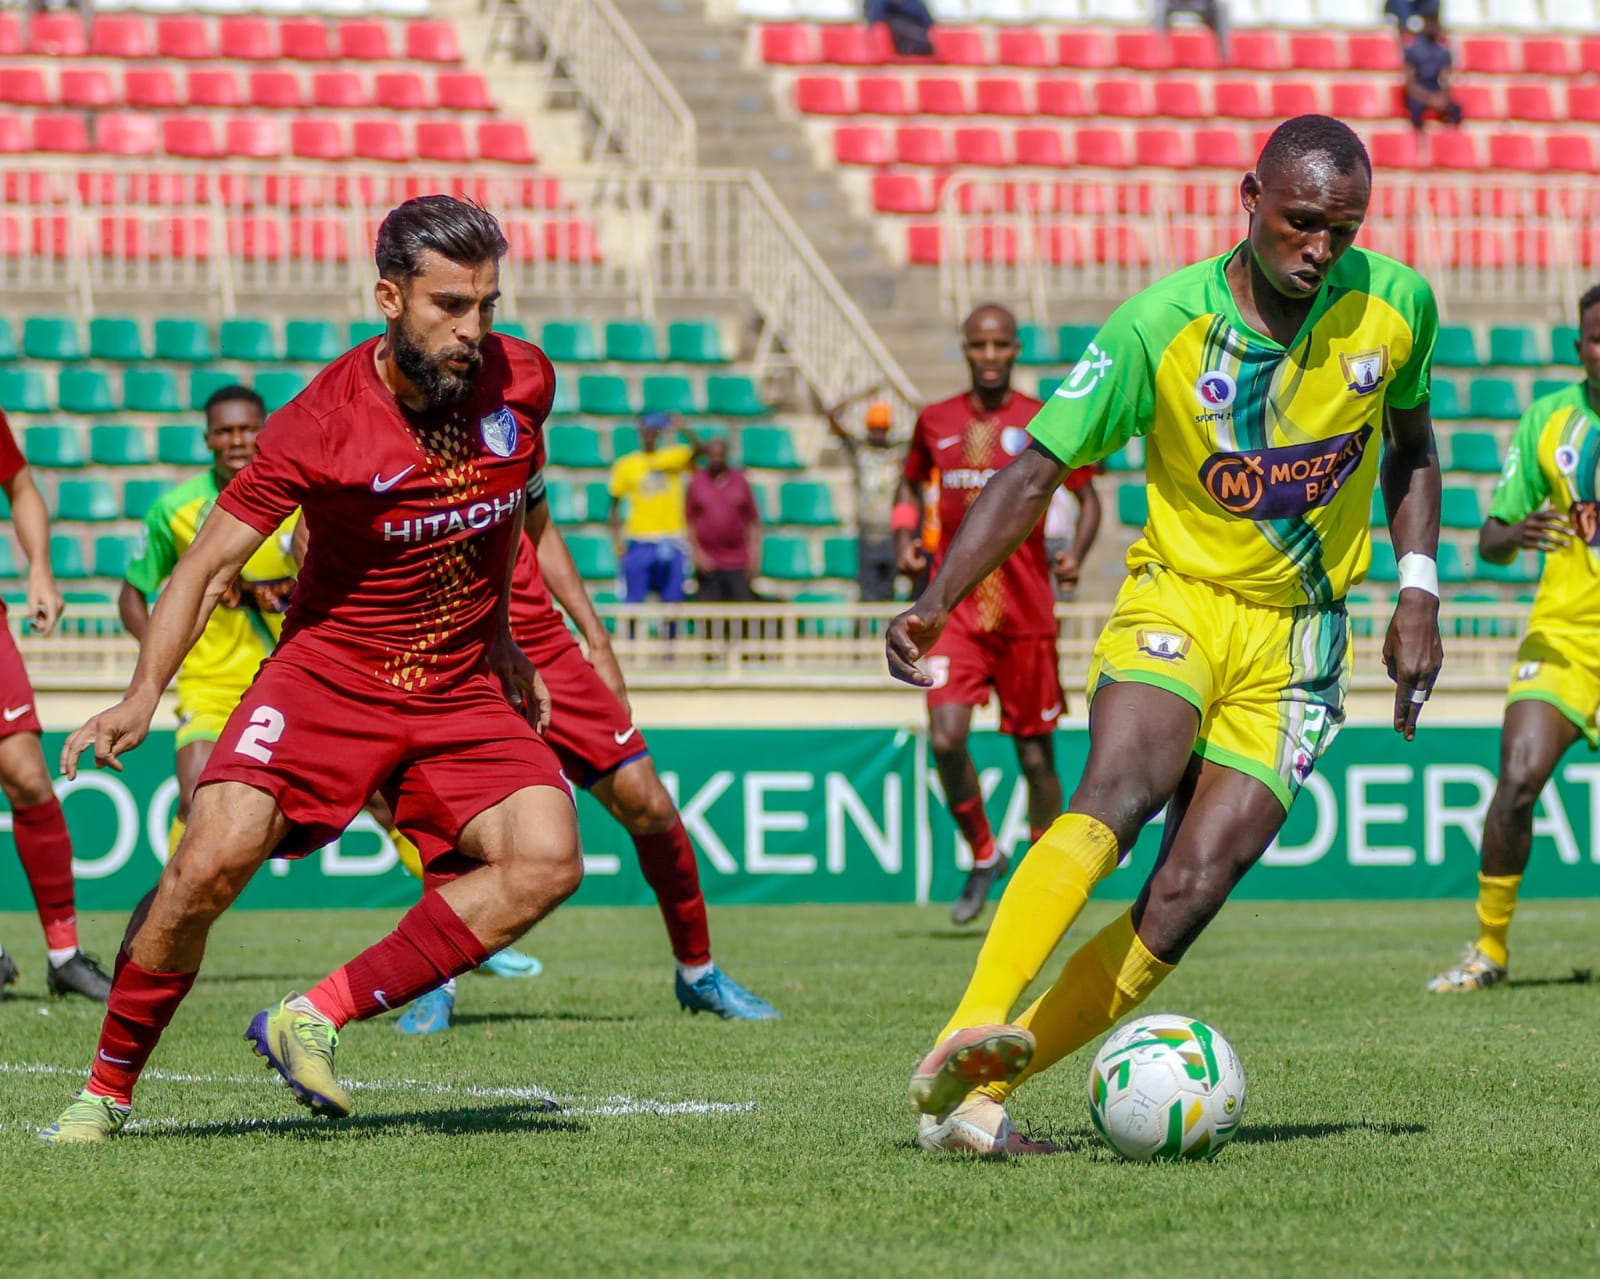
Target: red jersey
[11, 459]
[410, 515]
[537, 625]
[965, 447]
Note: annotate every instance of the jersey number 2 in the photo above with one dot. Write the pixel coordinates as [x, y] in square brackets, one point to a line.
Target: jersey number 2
[266, 727]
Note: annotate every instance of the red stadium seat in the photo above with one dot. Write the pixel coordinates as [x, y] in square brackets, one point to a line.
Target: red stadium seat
[190, 136]
[119, 35]
[1023, 48]
[382, 140]
[428, 41]
[462, 91]
[1547, 56]
[1178, 99]
[921, 144]
[1142, 50]
[1452, 149]
[1310, 51]
[901, 193]
[505, 142]
[1486, 55]
[850, 46]
[255, 239]
[1516, 151]
[821, 95]
[1589, 55]
[1085, 50]
[248, 39]
[364, 41]
[1220, 149]
[186, 239]
[1478, 102]
[1583, 103]
[572, 240]
[399, 91]
[1360, 100]
[275, 90]
[1373, 52]
[317, 139]
[1002, 96]
[1294, 97]
[1239, 100]
[861, 144]
[1123, 96]
[1569, 153]
[319, 239]
[12, 240]
[990, 243]
[253, 137]
[1194, 242]
[1161, 149]
[1529, 102]
[125, 133]
[61, 134]
[1124, 245]
[10, 35]
[442, 140]
[183, 38]
[924, 244]
[89, 88]
[124, 238]
[1042, 148]
[986, 197]
[25, 87]
[14, 137]
[1394, 149]
[959, 46]
[1195, 49]
[306, 40]
[984, 148]
[338, 91]
[211, 88]
[1257, 51]
[1062, 244]
[942, 95]
[58, 35]
[786, 44]
[1102, 149]
[1060, 98]
[882, 95]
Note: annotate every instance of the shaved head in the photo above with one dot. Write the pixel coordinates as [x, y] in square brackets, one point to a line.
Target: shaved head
[1313, 142]
[987, 315]
[989, 341]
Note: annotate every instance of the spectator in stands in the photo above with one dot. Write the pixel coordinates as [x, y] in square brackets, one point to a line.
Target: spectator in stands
[1214, 13]
[909, 24]
[1427, 87]
[724, 529]
[875, 460]
[649, 538]
[1407, 14]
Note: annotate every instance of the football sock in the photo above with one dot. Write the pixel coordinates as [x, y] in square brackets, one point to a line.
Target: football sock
[142, 1003]
[60, 954]
[410, 854]
[1497, 901]
[46, 852]
[430, 946]
[692, 973]
[1109, 975]
[1044, 896]
[668, 862]
[175, 830]
[973, 823]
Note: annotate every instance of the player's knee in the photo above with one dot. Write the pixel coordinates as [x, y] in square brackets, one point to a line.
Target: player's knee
[541, 877]
[29, 790]
[948, 741]
[641, 803]
[1189, 895]
[199, 888]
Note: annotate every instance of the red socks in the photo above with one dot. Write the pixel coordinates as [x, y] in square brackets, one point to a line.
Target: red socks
[973, 823]
[669, 867]
[46, 852]
[141, 1004]
[430, 946]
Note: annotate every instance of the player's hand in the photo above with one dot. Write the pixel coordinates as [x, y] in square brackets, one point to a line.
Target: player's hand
[1413, 652]
[519, 681]
[1544, 531]
[45, 604]
[911, 559]
[911, 637]
[1067, 570]
[112, 733]
[604, 661]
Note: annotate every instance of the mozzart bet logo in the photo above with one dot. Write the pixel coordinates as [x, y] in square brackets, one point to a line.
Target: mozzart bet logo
[1281, 483]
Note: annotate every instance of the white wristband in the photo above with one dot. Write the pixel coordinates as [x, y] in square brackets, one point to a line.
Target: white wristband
[1419, 572]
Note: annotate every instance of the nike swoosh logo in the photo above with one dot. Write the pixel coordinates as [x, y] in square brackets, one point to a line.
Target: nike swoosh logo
[115, 1061]
[381, 485]
[950, 442]
[379, 994]
[13, 713]
[620, 738]
[1050, 714]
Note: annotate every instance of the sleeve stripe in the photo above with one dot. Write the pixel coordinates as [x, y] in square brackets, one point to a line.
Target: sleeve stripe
[535, 489]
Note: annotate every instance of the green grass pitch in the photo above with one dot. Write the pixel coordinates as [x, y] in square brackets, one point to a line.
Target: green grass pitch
[1389, 1132]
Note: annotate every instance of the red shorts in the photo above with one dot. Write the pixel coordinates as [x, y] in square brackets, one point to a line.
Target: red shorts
[321, 746]
[1022, 669]
[17, 714]
[590, 730]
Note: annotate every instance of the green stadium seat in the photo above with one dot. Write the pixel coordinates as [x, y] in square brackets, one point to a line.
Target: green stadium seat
[1383, 564]
[565, 403]
[10, 565]
[23, 391]
[204, 383]
[563, 501]
[278, 386]
[766, 505]
[1474, 452]
[360, 331]
[1521, 571]
[116, 337]
[669, 393]
[118, 446]
[786, 558]
[695, 342]
[1543, 386]
[1457, 347]
[182, 446]
[66, 558]
[574, 444]
[8, 341]
[59, 448]
[838, 627]
[596, 502]
[184, 340]
[1453, 566]
[1072, 340]
[1494, 398]
[1514, 346]
[1360, 626]
[1462, 624]
[569, 342]
[1130, 457]
[592, 553]
[1037, 343]
[81, 389]
[1133, 505]
[138, 496]
[312, 341]
[632, 342]
[249, 339]
[1445, 402]
[1459, 508]
[1377, 517]
[1564, 344]
[511, 329]
[604, 395]
[88, 500]
[150, 391]
[625, 440]
[841, 558]
[1047, 386]
[768, 447]
[733, 395]
[52, 337]
[807, 502]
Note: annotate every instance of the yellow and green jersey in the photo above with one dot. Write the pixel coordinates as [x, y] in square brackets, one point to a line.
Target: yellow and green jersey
[1555, 458]
[246, 624]
[1260, 458]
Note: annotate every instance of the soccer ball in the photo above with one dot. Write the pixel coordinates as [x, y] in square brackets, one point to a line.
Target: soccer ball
[1166, 1087]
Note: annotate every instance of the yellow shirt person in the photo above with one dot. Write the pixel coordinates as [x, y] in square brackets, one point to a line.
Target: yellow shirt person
[648, 520]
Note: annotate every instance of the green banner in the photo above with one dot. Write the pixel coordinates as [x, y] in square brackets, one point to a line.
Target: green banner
[854, 815]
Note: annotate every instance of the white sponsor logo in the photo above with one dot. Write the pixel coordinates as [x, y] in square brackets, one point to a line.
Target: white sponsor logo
[1086, 374]
[499, 432]
[949, 442]
[381, 485]
[966, 477]
[1053, 713]
[476, 516]
[1013, 440]
[622, 737]
[14, 713]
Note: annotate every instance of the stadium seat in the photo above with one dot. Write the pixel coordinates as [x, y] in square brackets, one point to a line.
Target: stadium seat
[1258, 51]
[768, 447]
[190, 137]
[604, 395]
[113, 552]
[462, 91]
[1515, 346]
[52, 337]
[1376, 52]
[1494, 398]
[118, 446]
[1456, 347]
[248, 339]
[56, 448]
[1473, 452]
[247, 39]
[1453, 568]
[668, 393]
[87, 88]
[57, 35]
[1178, 100]
[23, 391]
[1569, 153]
[1102, 148]
[203, 383]
[790, 45]
[596, 501]
[339, 91]
[312, 341]
[1142, 50]
[66, 558]
[593, 555]
[442, 141]
[1062, 99]
[1041, 148]
[150, 391]
[1133, 505]
[1486, 55]
[399, 91]
[921, 144]
[1524, 569]
[88, 500]
[317, 140]
[563, 502]
[360, 40]
[381, 140]
[632, 342]
[1515, 152]
[1072, 340]
[1564, 344]
[120, 35]
[278, 386]
[80, 389]
[1122, 96]
[575, 445]
[275, 90]
[981, 148]
[211, 87]
[840, 558]
[569, 342]
[1459, 508]
[1360, 100]
[1543, 386]
[182, 446]
[1037, 345]
[25, 87]
[61, 134]
[695, 342]
[1445, 402]
[786, 559]
[1294, 97]
[624, 440]
[432, 42]
[1003, 97]
[307, 41]
[8, 341]
[1023, 48]
[138, 496]
[504, 141]
[359, 331]
[184, 341]
[807, 502]
[1161, 149]
[1583, 103]
[733, 395]
[1530, 102]
[183, 37]
[125, 133]
[565, 403]
[1548, 57]
[1383, 569]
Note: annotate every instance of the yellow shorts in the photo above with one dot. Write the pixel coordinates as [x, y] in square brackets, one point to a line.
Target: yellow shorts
[1269, 682]
[1564, 672]
[203, 709]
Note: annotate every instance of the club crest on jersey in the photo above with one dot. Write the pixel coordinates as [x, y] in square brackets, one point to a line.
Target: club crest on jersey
[1567, 459]
[1164, 645]
[1527, 671]
[1215, 390]
[1364, 373]
[499, 431]
[1013, 440]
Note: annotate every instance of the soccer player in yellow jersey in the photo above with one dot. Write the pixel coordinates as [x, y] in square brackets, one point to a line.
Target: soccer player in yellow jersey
[1548, 500]
[1260, 381]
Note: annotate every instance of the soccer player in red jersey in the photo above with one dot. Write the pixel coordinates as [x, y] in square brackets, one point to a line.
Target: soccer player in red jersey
[409, 458]
[1002, 636]
[43, 844]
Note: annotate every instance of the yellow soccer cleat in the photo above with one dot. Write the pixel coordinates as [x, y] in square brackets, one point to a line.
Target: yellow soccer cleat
[1476, 971]
[299, 1046]
[978, 1126]
[87, 1120]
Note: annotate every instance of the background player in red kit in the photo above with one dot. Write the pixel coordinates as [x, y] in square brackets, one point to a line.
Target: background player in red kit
[1002, 636]
[37, 822]
[409, 458]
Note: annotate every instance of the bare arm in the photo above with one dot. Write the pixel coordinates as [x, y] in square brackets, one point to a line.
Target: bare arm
[134, 610]
[1409, 473]
[1499, 542]
[909, 556]
[1068, 567]
[31, 519]
[613, 522]
[697, 446]
[566, 585]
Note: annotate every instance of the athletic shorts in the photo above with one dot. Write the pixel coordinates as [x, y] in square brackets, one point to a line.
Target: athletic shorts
[1563, 671]
[1023, 671]
[321, 742]
[1269, 682]
[590, 730]
[203, 709]
[17, 712]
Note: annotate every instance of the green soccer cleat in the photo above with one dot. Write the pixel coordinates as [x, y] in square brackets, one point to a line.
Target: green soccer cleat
[87, 1120]
[1476, 971]
[299, 1046]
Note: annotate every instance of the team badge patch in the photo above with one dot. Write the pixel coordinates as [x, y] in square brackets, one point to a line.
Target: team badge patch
[1364, 373]
[1165, 645]
[499, 431]
[1567, 459]
[1014, 439]
[1215, 390]
[1527, 671]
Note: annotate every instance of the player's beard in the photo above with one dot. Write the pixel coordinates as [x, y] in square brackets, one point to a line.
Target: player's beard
[438, 386]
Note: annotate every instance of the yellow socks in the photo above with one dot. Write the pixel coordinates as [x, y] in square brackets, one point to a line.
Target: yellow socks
[410, 855]
[1107, 976]
[1046, 893]
[1497, 902]
[175, 835]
